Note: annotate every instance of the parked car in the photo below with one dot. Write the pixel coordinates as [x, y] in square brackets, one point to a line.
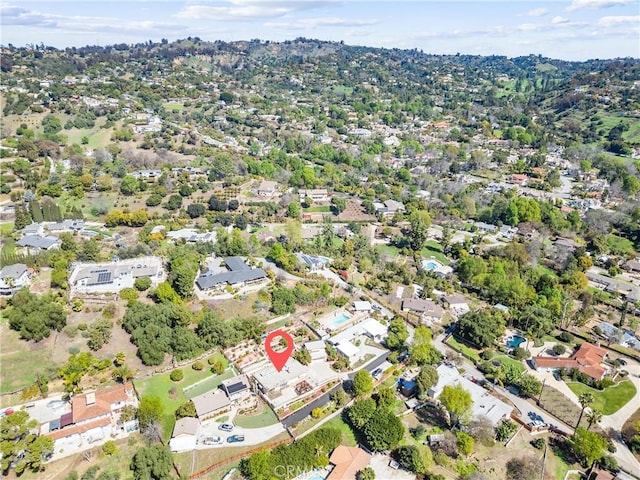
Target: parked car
[622, 361]
[225, 427]
[212, 440]
[403, 356]
[235, 439]
[376, 373]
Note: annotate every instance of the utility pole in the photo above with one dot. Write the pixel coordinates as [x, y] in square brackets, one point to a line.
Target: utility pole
[544, 381]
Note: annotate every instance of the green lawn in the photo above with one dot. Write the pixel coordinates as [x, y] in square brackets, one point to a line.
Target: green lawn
[388, 250]
[169, 106]
[469, 352]
[607, 401]
[319, 209]
[209, 384]
[348, 438]
[511, 364]
[263, 419]
[161, 385]
[6, 228]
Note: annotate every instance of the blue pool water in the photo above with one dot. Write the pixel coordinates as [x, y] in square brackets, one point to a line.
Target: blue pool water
[515, 341]
[339, 320]
[431, 266]
[316, 476]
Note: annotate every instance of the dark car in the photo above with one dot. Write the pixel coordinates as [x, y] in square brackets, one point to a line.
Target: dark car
[235, 439]
[225, 427]
[622, 361]
[402, 357]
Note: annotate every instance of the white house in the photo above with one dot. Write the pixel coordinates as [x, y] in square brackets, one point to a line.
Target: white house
[457, 303]
[349, 350]
[316, 349]
[13, 278]
[113, 277]
[317, 195]
[267, 188]
[185, 435]
[362, 306]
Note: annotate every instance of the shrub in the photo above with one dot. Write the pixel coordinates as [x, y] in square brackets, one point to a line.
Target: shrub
[521, 353]
[109, 447]
[218, 368]
[211, 360]
[129, 294]
[488, 354]
[316, 412]
[538, 443]
[566, 337]
[142, 283]
[176, 375]
[197, 365]
[559, 349]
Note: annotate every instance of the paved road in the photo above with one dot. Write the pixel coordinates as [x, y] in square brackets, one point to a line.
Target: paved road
[324, 399]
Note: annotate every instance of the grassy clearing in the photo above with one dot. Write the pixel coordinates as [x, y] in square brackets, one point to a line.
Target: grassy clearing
[433, 249]
[607, 401]
[208, 384]
[511, 363]
[6, 228]
[348, 438]
[319, 209]
[171, 106]
[171, 393]
[469, 352]
[619, 245]
[262, 419]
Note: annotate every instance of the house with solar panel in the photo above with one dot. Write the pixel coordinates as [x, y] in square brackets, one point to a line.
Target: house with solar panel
[114, 276]
[237, 273]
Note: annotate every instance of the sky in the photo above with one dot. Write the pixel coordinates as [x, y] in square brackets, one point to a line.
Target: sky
[570, 29]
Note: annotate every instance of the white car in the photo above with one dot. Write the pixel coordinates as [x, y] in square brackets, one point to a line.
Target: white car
[212, 441]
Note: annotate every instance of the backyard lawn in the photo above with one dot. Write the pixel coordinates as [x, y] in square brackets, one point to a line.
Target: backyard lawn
[348, 438]
[609, 400]
[171, 393]
[461, 347]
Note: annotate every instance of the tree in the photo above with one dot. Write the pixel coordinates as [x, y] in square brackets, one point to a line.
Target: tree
[362, 382]
[129, 185]
[339, 397]
[122, 374]
[426, 379]
[466, 444]
[303, 356]
[195, 210]
[397, 334]
[523, 468]
[21, 448]
[588, 446]
[457, 401]
[152, 463]
[142, 283]
[482, 328]
[187, 409]
[529, 385]
[593, 417]
[366, 473]
[585, 400]
[34, 315]
[339, 204]
[293, 210]
[360, 412]
[164, 292]
[411, 458]
[421, 349]
[420, 222]
[109, 447]
[174, 202]
[505, 429]
[383, 431]
[99, 333]
[150, 410]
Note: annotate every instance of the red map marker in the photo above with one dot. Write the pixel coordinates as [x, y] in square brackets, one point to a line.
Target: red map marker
[278, 358]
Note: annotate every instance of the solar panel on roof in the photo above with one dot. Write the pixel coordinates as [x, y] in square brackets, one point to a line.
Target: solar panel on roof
[104, 277]
[236, 387]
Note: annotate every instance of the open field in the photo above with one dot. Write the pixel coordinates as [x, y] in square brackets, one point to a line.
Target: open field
[559, 405]
[609, 400]
[469, 352]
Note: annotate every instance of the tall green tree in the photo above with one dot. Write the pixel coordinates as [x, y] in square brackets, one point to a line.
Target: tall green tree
[20, 444]
[457, 400]
[152, 463]
[419, 233]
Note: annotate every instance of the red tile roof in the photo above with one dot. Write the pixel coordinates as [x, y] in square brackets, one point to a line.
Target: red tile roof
[84, 409]
[587, 359]
[348, 461]
[85, 427]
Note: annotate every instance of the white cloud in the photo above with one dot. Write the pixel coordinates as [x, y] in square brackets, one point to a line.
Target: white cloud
[322, 22]
[559, 20]
[537, 12]
[250, 9]
[613, 21]
[580, 4]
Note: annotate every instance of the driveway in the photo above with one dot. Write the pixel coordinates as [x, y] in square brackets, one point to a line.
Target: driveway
[252, 436]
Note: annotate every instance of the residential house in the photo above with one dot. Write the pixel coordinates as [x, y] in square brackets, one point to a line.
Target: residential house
[191, 235]
[457, 303]
[267, 188]
[626, 338]
[319, 195]
[33, 244]
[94, 416]
[587, 359]
[237, 388]
[486, 227]
[316, 349]
[146, 174]
[519, 179]
[65, 226]
[626, 290]
[389, 208]
[313, 263]
[211, 403]
[34, 229]
[347, 462]
[361, 306]
[349, 351]
[185, 435]
[370, 328]
[484, 404]
[428, 310]
[113, 277]
[238, 275]
[13, 278]
[632, 265]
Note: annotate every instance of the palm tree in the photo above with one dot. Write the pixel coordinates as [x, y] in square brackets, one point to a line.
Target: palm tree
[593, 416]
[585, 400]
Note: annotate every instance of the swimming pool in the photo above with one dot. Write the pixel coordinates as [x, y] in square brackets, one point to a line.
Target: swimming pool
[515, 341]
[316, 476]
[431, 266]
[339, 320]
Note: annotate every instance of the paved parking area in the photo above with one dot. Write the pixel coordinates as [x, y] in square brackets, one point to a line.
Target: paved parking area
[252, 436]
[380, 464]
